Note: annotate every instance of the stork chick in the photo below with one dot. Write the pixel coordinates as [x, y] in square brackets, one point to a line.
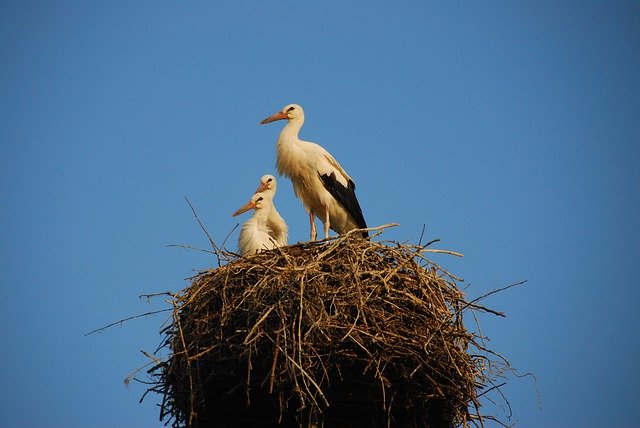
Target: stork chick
[275, 222]
[254, 235]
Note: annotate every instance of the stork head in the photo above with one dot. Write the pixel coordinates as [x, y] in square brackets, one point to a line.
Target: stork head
[267, 182]
[291, 112]
[257, 202]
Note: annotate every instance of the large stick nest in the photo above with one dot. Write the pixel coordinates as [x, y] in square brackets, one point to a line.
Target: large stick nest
[348, 332]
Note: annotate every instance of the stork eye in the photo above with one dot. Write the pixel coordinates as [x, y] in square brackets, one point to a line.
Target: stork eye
[290, 108]
[259, 199]
[270, 180]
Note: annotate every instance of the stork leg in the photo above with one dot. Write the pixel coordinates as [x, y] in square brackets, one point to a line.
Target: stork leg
[327, 224]
[312, 223]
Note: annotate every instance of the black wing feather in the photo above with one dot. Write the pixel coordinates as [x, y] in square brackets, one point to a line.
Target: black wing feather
[346, 196]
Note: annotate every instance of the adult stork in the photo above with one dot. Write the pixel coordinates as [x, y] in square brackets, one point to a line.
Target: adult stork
[275, 222]
[323, 186]
[254, 235]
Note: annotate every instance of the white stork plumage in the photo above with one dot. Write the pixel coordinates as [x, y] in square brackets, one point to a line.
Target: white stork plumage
[323, 186]
[275, 222]
[254, 235]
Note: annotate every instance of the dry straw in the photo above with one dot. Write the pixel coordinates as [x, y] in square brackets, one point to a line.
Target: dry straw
[344, 332]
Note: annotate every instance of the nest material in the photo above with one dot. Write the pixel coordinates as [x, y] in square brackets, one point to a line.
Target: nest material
[342, 333]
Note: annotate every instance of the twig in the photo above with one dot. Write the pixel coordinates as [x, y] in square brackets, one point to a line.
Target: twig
[452, 253]
[229, 234]
[308, 377]
[213, 244]
[372, 229]
[486, 391]
[149, 296]
[498, 290]
[433, 241]
[127, 319]
[191, 247]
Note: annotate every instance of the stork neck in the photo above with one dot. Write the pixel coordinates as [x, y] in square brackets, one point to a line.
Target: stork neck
[288, 149]
[291, 130]
[271, 192]
[261, 215]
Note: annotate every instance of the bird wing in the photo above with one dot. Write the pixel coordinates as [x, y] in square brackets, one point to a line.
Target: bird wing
[253, 238]
[346, 196]
[279, 229]
[338, 183]
[325, 164]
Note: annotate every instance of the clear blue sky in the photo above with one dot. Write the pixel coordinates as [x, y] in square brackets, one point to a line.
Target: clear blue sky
[510, 129]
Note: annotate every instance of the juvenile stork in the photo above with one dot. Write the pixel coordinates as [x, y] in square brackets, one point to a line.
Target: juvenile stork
[323, 186]
[254, 235]
[275, 222]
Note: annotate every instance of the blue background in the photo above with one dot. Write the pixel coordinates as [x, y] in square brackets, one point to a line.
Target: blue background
[510, 130]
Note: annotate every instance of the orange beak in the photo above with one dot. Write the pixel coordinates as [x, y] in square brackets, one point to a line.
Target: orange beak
[248, 206]
[261, 188]
[278, 116]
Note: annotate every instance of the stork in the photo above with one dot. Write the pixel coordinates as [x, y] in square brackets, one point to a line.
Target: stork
[275, 222]
[254, 235]
[323, 186]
